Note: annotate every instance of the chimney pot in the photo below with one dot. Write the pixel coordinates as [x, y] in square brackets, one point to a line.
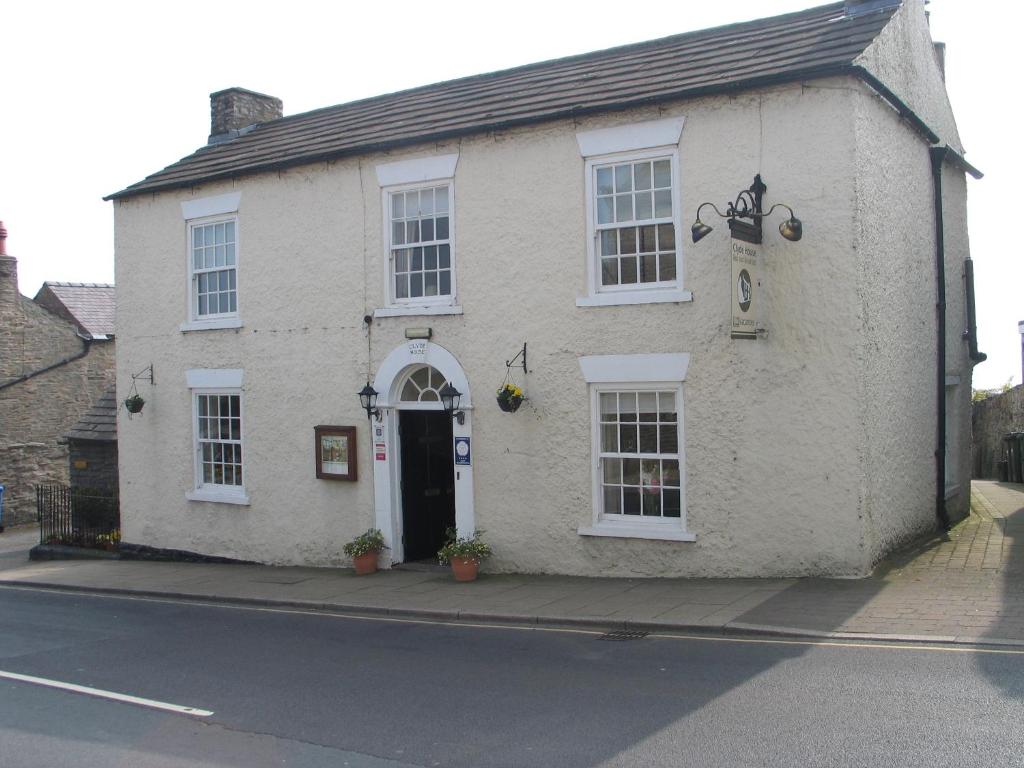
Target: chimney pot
[233, 110]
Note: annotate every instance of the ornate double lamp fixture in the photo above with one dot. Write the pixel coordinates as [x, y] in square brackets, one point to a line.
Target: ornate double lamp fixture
[745, 216]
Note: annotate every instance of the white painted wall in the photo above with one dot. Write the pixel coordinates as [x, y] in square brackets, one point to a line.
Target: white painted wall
[787, 455]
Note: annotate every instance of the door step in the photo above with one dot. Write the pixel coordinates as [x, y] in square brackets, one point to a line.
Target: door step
[422, 566]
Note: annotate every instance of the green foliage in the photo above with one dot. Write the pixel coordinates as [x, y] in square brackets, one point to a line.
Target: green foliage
[473, 547]
[371, 541]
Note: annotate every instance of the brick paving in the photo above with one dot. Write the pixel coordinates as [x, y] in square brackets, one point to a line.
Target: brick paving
[967, 586]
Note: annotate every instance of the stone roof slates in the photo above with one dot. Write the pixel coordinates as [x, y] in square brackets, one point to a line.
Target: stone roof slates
[90, 304]
[708, 61]
[99, 423]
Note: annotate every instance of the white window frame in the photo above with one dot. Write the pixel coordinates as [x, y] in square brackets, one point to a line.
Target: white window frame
[651, 140]
[635, 373]
[216, 382]
[407, 176]
[202, 212]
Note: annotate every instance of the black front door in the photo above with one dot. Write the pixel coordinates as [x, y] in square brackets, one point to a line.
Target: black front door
[428, 481]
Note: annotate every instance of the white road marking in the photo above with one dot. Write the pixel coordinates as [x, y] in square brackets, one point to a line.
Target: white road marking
[329, 613]
[163, 705]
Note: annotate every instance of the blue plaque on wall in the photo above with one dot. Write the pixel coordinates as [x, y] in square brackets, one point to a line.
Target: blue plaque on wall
[462, 451]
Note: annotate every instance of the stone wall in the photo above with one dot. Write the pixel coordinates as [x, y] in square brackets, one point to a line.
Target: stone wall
[93, 464]
[22, 467]
[992, 420]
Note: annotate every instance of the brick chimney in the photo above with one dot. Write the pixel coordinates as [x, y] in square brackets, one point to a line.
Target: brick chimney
[233, 110]
[9, 295]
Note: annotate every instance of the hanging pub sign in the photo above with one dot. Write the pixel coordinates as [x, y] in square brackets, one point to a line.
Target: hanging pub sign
[745, 245]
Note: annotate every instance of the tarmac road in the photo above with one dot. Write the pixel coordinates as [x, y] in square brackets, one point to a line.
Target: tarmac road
[287, 687]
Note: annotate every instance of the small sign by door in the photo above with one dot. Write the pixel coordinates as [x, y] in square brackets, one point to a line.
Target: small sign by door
[462, 451]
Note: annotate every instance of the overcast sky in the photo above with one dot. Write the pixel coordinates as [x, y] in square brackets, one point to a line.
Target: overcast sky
[95, 96]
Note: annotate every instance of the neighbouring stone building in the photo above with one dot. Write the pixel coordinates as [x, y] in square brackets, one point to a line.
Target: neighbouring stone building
[413, 243]
[56, 361]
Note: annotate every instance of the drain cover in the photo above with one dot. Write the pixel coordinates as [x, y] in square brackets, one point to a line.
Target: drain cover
[623, 634]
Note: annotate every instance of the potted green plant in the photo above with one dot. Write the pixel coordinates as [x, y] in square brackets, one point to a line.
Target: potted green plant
[510, 397]
[464, 554]
[364, 549]
[134, 403]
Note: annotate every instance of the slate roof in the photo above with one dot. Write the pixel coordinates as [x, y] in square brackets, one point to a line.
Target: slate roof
[90, 306]
[812, 43]
[99, 423]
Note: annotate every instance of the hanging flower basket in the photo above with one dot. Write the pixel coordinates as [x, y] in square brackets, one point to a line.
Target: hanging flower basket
[510, 397]
[134, 403]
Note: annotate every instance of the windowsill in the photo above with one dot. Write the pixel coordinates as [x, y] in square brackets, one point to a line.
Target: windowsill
[218, 496]
[616, 298]
[409, 311]
[629, 531]
[210, 325]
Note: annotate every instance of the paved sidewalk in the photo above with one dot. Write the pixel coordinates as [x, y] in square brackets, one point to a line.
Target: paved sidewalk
[965, 587]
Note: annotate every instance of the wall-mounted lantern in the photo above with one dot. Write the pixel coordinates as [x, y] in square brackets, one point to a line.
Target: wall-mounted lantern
[745, 216]
[368, 400]
[450, 397]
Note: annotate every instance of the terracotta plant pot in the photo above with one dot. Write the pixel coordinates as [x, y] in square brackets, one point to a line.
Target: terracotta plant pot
[365, 564]
[465, 568]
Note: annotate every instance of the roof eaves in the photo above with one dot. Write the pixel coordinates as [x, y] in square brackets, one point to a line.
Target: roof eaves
[811, 73]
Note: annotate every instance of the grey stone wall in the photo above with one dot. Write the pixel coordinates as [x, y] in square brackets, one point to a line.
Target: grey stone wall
[236, 108]
[22, 467]
[992, 419]
[35, 413]
[93, 464]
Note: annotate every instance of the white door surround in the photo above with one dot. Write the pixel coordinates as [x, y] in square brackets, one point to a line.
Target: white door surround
[386, 451]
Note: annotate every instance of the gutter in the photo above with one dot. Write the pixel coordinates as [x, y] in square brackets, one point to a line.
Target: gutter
[60, 364]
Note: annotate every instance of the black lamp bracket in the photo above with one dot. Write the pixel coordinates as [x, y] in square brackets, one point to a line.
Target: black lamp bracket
[146, 374]
[521, 353]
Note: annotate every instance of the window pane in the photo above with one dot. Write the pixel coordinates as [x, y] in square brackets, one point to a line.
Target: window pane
[402, 260]
[650, 472]
[232, 305]
[442, 228]
[229, 254]
[610, 438]
[604, 210]
[643, 206]
[415, 285]
[647, 242]
[662, 173]
[412, 231]
[609, 406]
[604, 181]
[667, 406]
[445, 283]
[670, 473]
[444, 256]
[203, 305]
[631, 471]
[642, 175]
[648, 268]
[398, 233]
[610, 271]
[663, 204]
[417, 259]
[630, 501]
[648, 438]
[398, 206]
[427, 202]
[402, 286]
[197, 237]
[609, 246]
[667, 267]
[427, 229]
[627, 406]
[441, 200]
[647, 403]
[612, 471]
[627, 240]
[627, 270]
[671, 503]
[412, 204]
[430, 283]
[651, 503]
[627, 438]
[623, 178]
[669, 438]
[612, 500]
[623, 207]
[666, 237]
[430, 257]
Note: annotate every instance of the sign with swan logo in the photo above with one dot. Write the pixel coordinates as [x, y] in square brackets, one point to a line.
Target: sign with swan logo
[746, 284]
